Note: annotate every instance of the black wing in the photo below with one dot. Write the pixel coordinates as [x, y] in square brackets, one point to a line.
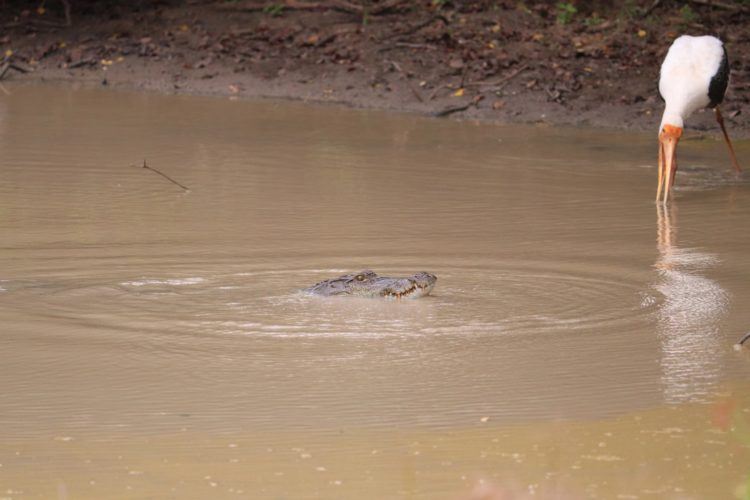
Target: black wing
[719, 82]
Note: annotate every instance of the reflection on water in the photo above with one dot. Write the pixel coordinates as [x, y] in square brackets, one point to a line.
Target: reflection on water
[154, 343]
[689, 317]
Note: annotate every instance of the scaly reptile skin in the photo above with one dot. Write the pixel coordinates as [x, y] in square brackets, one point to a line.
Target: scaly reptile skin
[368, 284]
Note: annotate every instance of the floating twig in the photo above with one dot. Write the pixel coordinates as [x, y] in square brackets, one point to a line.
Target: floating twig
[743, 339]
[165, 176]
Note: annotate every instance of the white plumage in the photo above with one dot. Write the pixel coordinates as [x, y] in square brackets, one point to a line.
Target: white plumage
[686, 76]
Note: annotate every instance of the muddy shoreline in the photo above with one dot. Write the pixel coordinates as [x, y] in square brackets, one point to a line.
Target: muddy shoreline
[502, 63]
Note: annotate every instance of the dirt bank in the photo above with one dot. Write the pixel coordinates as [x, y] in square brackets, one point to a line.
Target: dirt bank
[553, 62]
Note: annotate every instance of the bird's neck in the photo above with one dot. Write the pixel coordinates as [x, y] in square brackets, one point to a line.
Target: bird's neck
[671, 117]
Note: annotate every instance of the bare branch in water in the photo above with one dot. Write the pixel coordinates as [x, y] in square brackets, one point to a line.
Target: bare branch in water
[165, 176]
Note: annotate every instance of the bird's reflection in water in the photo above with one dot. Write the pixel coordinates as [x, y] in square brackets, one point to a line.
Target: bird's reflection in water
[689, 317]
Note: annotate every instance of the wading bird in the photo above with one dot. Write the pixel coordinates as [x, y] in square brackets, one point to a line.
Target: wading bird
[694, 75]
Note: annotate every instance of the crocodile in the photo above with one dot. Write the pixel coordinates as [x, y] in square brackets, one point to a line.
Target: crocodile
[368, 284]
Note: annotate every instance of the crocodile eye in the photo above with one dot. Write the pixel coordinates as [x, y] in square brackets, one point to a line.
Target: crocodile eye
[360, 277]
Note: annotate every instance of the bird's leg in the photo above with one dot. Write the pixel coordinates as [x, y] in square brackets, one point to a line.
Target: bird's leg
[661, 171]
[720, 119]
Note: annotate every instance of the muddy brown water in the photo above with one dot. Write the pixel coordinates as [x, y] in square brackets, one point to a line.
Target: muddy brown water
[154, 343]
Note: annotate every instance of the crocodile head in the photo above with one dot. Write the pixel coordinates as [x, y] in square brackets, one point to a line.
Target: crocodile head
[368, 284]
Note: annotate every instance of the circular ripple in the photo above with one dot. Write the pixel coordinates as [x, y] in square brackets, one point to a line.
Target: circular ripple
[497, 298]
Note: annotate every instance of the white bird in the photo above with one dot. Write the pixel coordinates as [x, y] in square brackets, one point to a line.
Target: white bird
[694, 75]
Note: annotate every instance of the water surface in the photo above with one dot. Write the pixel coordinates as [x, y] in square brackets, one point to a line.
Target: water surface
[154, 341]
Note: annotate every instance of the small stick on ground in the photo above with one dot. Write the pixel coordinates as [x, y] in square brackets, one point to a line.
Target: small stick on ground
[68, 18]
[463, 76]
[417, 27]
[434, 93]
[502, 82]
[653, 6]
[340, 5]
[722, 5]
[456, 109]
[598, 28]
[384, 7]
[165, 176]
[9, 66]
[4, 70]
[406, 45]
[35, 24]
[414, 90]
[83, 62]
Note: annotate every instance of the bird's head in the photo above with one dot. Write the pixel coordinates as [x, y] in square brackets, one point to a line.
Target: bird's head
[670, 133]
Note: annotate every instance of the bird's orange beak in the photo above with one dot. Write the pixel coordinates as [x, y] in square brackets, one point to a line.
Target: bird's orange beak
[668, 138]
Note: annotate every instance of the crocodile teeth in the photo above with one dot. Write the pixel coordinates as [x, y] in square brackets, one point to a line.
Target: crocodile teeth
[407, 292]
